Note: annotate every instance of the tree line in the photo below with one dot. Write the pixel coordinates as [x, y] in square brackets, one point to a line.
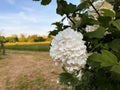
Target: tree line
[23, 38]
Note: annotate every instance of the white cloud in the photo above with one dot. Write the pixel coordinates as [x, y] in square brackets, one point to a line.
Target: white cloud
[28, 30]
[27, 17]
[23, 22]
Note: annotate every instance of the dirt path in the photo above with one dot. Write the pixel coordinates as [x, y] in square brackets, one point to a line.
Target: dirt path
[28, 64]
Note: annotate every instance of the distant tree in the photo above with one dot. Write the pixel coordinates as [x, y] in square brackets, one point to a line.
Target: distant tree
[15, 37]
[35, 38]
[49, 38]
[7, 39]
[40, 39]
[2, 39]
[32, 38]
[22, 38]
[12, 38]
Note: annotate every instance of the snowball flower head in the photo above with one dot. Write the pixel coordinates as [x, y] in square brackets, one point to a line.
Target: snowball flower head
[68, 50]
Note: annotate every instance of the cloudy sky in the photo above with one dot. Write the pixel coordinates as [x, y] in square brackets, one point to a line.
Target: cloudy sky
[27, 17]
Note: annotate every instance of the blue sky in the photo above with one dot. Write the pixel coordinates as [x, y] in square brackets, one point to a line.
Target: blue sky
[27, 17]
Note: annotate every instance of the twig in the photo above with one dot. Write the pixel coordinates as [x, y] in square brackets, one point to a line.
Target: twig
[94, 8]
[70, 19]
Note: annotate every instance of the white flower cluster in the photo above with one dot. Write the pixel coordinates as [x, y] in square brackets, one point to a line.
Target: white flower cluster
[99, 4]
[68, 50]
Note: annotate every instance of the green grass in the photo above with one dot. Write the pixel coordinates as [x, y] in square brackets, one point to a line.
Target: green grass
[29, 47]
[23, 82]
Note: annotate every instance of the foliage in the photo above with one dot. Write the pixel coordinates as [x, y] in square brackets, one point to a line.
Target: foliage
[44, 2]
[13, 38]
[49, 38]
[102, 71]
[23, 38]
[35, 38]
[2, 39]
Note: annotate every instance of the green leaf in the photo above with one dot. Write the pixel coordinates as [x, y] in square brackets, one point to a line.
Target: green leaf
[110, 1]
[45, 2]
[116, 4]
[64, 8]
[116, 24]
[104, 21]
[67, 78]
[105, 59]
[61, 5]
[115, 45]
[59, 25]
[116, 68]
[107, 12]
[99, 33]
[82, 5]
[85, 20]
[70, 8]
[54, 32]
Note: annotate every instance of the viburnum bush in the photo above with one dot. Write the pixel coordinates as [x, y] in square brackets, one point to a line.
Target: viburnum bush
[88, 48]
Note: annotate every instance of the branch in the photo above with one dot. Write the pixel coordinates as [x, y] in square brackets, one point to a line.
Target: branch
[70, 19]
[94, 8]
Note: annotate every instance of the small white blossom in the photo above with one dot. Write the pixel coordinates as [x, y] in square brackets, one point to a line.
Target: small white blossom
[99, 4]
[75, 19]
[89, 67]
[91, 28]
[68, 50]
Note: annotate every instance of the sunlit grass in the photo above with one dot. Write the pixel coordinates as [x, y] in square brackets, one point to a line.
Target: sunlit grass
[27, 43]
[30, 46]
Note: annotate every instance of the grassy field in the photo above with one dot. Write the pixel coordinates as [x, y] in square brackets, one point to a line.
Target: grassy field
[39, 46]
[28, 70]
[23, 67]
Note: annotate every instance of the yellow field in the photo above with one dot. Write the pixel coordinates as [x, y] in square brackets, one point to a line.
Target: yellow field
[27, 43]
